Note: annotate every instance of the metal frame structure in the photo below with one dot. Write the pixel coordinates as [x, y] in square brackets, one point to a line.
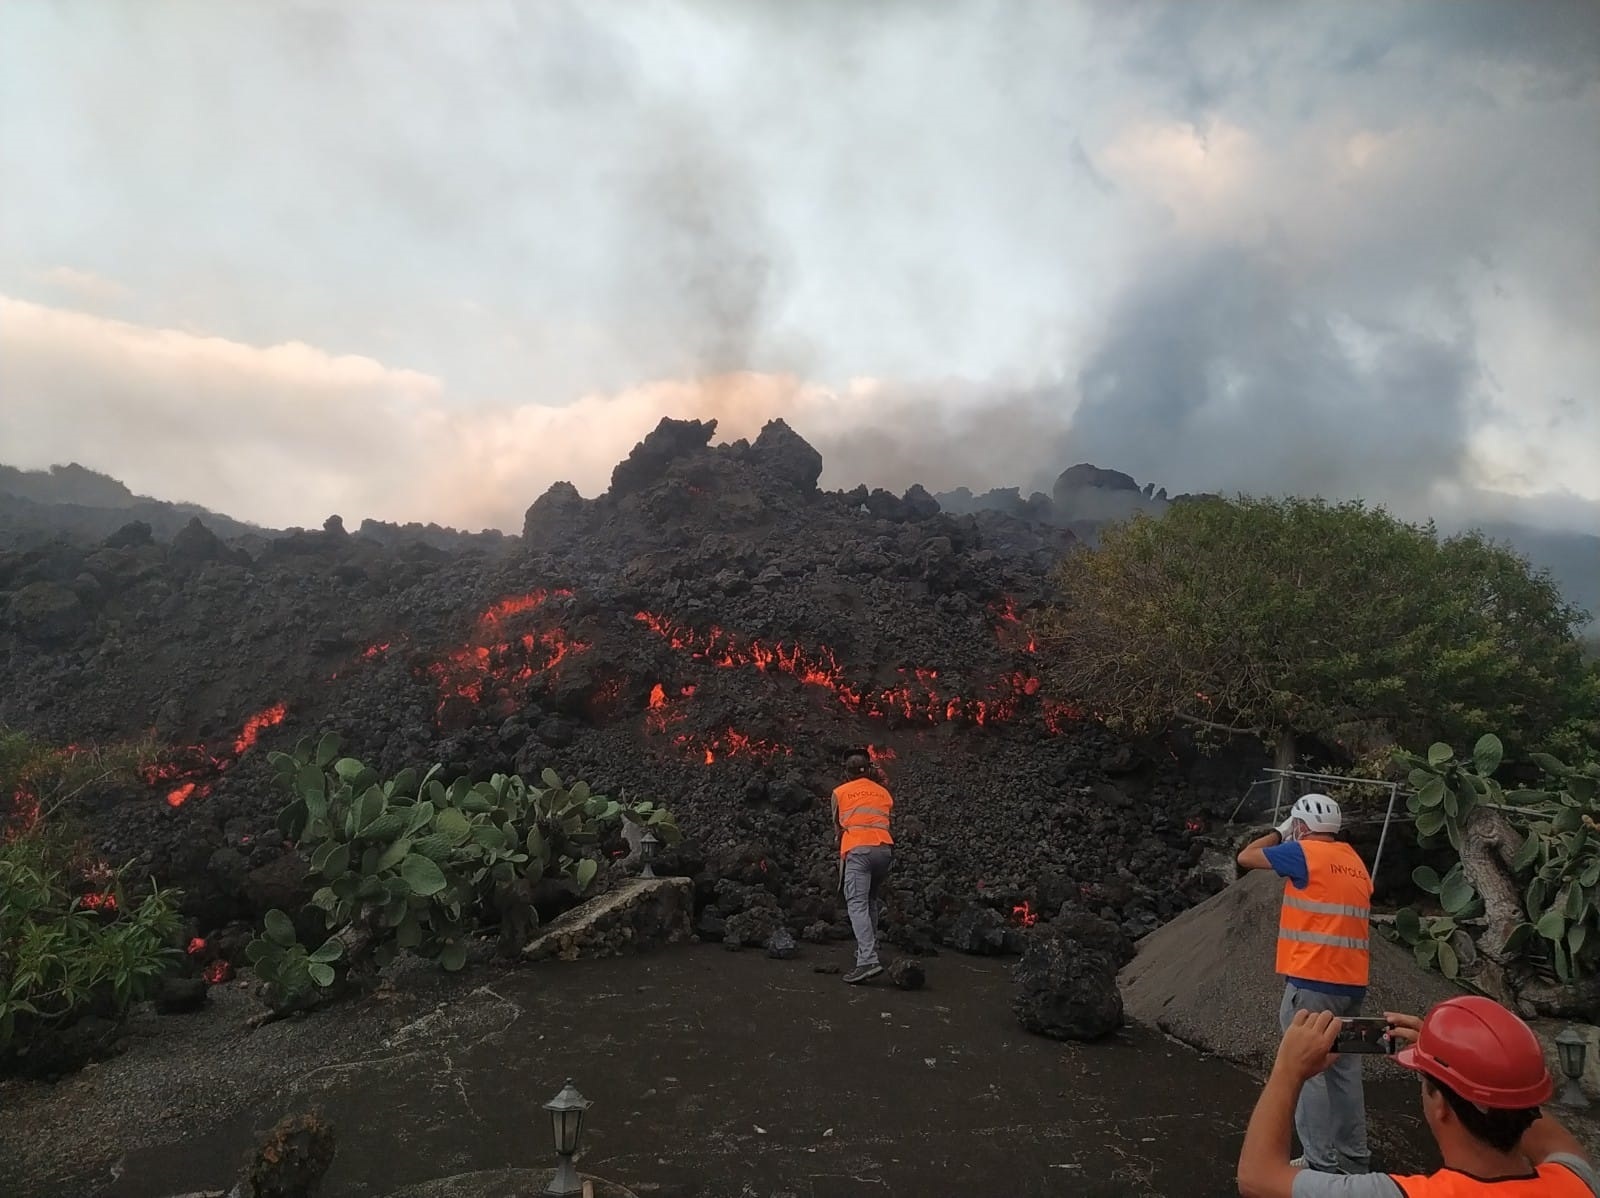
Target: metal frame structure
[1281, 778]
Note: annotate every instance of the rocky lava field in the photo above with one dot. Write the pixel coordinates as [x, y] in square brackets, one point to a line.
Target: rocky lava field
[714, 632]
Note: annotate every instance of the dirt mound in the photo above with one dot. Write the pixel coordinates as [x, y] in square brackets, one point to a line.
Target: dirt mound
[1206, 977]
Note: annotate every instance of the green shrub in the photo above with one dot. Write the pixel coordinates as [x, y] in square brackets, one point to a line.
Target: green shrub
[36, 779]
[66, 952]
[410, 864]
[1554, 873]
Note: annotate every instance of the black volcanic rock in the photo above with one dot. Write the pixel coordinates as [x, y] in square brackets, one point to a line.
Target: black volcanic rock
[1085, 475]
[135, 532]
[782, 624]
[197, 543]
[650, 458]
[1067, 986]
[908, 974]
[47, 612]
[787, 455]
[552, 515]
[980, 931]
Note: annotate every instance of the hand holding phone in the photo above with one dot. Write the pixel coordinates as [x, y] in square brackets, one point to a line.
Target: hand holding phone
[1366, 1035]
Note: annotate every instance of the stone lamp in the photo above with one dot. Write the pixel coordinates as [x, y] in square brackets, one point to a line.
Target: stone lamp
[566, 1124]
[647, 853]
[1571, 1049]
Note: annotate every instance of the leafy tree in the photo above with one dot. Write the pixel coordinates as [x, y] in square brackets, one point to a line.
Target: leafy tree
[1279, 617]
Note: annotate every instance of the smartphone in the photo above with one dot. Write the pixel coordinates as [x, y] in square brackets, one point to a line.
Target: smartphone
[1369, 1034]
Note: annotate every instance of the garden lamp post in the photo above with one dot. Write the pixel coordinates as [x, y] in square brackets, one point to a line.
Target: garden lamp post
[566, 1123]
[647, 853]
[1572, 1048]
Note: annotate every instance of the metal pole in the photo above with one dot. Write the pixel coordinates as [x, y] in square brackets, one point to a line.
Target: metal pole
[1394, 789]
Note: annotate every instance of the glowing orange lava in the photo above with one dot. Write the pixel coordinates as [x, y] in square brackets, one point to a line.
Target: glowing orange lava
[189, 770]
[919, 698]
[1010, 629]
[1025, 915]
[269, 718]
[731, 743]
[493, 661]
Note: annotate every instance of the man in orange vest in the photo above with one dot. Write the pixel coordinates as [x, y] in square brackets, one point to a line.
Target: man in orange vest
[861, 808]
[1322, 955]
[1483, 1078]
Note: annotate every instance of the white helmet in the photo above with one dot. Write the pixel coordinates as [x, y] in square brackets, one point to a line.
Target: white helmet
[1318, 813]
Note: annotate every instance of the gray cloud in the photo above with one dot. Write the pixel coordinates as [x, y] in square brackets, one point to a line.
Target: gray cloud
[1219, 246]
[1217, 372]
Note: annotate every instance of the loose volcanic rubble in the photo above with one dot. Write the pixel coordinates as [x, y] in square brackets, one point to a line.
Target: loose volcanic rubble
[714, 632]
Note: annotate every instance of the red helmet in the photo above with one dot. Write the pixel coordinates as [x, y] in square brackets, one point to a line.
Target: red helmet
[1483, 1052]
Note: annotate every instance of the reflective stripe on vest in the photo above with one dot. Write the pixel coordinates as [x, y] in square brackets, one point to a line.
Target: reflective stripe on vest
[865, 810]
[1322, 927]
[1301, 904]
[1324, 938]
[1552, 1181]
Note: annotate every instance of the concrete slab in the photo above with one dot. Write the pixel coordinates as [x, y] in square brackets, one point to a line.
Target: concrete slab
[641, 913]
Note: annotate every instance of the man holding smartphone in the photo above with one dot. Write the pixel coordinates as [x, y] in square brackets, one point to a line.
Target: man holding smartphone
[1483, 1080]
[1323, 957]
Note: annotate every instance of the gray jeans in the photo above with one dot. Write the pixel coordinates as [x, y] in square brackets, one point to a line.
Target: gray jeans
[1331, 1119]
[864, 872]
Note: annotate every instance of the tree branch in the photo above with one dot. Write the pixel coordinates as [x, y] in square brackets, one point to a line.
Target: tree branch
[1186, 718]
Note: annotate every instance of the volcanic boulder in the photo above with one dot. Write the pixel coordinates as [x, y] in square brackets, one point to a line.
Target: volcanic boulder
[1067, 980]
[197, 543]
[650, 458]
[978, 930]
[130, 535]
[47, 612]
[554, 514]
[787, 455]
[908, 974]
[754, 927]
[781, 945]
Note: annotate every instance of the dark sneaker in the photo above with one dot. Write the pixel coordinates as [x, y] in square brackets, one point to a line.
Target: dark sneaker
[862, 973]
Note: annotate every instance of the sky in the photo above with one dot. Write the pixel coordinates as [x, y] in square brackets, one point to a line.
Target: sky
[417, 261]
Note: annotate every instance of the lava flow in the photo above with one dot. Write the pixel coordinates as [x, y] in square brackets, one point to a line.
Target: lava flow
[192, 769]
[919, 699]
[1010, 629]
[732, 743]
[664, 710]
[1024, 915]
[494, 661]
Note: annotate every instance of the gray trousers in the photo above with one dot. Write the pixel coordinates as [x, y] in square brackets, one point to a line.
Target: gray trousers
[863, 873]
[1331, 1118]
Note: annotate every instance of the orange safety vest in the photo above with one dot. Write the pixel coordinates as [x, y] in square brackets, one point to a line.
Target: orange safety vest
[864, 810]
[1322, 929]
[1548, 1181]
